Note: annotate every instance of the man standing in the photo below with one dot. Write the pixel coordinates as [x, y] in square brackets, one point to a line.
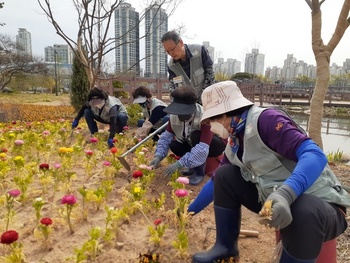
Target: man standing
[190, 65]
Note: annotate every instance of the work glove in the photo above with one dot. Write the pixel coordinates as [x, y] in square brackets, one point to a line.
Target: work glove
[155, 162]
[172, 168]
[75, 123]
[110, 143]
[281, 199]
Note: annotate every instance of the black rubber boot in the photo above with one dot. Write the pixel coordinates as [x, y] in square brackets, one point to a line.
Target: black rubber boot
[198, 175]
[286, 258]
[228, 224]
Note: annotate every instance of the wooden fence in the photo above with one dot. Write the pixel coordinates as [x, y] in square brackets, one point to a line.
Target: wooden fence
[259, 93]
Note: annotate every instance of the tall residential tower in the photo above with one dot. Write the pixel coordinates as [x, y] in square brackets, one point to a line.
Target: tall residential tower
[24, 40]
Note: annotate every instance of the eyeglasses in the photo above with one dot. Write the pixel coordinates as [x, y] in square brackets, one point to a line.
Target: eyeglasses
[171, 50]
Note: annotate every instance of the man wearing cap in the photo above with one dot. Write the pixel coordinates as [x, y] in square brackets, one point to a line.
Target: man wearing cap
[152, 109]
[190, 65]
[186, 137]
[269, 162]
[105, 109]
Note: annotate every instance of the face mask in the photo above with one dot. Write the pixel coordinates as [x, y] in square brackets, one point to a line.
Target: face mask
[219, 129]
[100, 105]
[185, 117]
[144, 104]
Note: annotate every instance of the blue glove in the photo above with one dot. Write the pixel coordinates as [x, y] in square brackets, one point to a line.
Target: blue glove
[203, 199]
[110, 143]
[282, 198]
[155, 162]
[172, 168]
[75, 123]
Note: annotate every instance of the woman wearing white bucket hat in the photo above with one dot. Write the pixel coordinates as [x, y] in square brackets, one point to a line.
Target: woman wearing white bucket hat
[269, 158]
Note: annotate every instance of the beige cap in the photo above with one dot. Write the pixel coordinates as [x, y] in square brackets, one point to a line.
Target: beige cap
[222, 97]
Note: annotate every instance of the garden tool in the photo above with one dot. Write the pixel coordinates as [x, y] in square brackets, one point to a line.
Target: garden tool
[122, 159]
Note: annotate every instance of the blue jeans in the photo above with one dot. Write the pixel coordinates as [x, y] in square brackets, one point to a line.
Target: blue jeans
[91, 118]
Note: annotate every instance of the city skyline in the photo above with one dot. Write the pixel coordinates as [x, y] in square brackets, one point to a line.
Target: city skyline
[291, 39]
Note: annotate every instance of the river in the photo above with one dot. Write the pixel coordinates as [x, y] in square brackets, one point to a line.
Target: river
[335, 132]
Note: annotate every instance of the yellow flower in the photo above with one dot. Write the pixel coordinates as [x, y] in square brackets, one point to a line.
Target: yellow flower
[18, 159]
[3, 155]
[12, 135]
[137, 190]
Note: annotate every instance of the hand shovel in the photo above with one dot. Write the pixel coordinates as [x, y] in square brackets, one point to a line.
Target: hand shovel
[122, 159]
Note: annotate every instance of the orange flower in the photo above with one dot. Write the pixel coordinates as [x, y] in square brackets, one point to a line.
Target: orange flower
[114, 150]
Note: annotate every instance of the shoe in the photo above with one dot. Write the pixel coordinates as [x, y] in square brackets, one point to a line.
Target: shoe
[198, 175]
[187, 171]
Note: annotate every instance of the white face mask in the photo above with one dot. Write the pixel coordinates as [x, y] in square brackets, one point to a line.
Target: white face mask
[219, 129]
[100, 105]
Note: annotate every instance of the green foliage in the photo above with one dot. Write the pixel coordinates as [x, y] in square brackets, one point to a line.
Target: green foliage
[243, 76]
[119, 94]
[335, 156]
[80, 85]
[134, 113]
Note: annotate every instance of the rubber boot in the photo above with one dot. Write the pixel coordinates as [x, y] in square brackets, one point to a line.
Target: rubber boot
[198, 175]
[187, 171]
[228, 224]
[286, 258]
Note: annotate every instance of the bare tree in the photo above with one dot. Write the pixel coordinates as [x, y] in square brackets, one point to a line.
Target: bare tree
[323, 54]
[14, 61]
[2, 6]
[94, 40]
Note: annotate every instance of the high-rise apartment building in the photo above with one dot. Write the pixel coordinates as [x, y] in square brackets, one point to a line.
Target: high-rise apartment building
[156, 24]
[254, 62]
[127, 45]
[62, 54]
[24, 40]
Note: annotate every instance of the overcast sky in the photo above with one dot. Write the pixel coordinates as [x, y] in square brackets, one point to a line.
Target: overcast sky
[233, 27]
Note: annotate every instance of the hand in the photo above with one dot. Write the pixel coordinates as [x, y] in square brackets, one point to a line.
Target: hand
[155, 162]
[110, 143]
[281, 199]
[75, 123]
[172, 168]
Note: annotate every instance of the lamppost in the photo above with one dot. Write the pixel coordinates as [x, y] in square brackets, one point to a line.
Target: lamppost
[55, 55]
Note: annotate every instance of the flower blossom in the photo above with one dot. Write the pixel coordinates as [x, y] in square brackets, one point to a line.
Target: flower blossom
[181, 193]
[9, 237]
[137, 174]
[46, 133]
[46, 221]
[69, 200]
[19, 142]
[157, 221]
[44, 166]
[93, 140]
[146, 167]
[89, 152]
[14, 192]
[57, 165]
[114, 150]
[183, 180]
[106, 163]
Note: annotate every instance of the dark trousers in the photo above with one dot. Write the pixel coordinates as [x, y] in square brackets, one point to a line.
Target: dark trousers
[314, 220]
[91, 118]
[156, 136]
[216, 147]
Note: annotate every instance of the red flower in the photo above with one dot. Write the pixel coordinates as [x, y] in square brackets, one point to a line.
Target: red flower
[114, 150]
[93, 140]
[9, 237]
[46, 221]
[4, 150]
[44, 166]
[157, 221]
[89, 152]
[69, 200]
[14, 122]
[137, 174]
[181, 193]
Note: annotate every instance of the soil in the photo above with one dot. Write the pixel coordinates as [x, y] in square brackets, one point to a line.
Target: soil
[133, 236]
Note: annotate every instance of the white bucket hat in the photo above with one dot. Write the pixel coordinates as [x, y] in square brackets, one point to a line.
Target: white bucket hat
[222, 97]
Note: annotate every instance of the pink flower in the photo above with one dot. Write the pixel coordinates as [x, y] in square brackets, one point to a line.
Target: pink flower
[9, 237]
[19, 142]
[144, 149]
[183, 180]
[57, 165]
[93, 140]
[14, 192]
[46, 221]
[146, 167]
[126, 128]
[106, 163]
[46, 133]
[69, 200]
[181, 192]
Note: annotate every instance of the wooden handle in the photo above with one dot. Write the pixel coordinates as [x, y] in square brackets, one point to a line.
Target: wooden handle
[249, 233]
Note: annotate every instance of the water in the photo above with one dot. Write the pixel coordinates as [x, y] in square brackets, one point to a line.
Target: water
[335, 132]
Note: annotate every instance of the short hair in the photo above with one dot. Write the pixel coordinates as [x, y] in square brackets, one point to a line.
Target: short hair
[171, 35]
[97, 92]
[141, 91]
[184, 94]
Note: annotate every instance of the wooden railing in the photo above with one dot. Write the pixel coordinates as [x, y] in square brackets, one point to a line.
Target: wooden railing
[262, 94]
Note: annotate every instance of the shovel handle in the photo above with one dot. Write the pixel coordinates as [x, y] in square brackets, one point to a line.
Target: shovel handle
[145, 139]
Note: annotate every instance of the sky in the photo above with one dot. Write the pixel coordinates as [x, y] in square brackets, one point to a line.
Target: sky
[233, 27]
